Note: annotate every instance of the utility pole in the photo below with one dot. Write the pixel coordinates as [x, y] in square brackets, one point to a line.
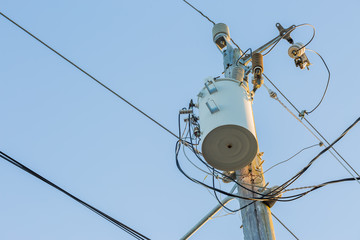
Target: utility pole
[229, 139]
[256, 217]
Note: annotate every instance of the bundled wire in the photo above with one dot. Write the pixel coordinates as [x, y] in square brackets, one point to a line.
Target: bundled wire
[302, 171]
[107, 217]
[273, 194]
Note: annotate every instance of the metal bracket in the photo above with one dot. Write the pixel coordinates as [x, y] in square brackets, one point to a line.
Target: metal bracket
[212, 89]
[283, 31]
[213, 108]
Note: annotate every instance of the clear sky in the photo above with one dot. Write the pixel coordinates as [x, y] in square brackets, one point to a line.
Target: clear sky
[156, 54]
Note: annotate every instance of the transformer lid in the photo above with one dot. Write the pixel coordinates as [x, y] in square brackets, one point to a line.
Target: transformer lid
[229, 147]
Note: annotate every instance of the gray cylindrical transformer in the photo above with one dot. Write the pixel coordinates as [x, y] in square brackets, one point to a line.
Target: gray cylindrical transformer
[227, 124]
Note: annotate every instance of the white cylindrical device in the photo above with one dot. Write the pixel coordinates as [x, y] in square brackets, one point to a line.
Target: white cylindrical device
[227, 124]
[296, 50]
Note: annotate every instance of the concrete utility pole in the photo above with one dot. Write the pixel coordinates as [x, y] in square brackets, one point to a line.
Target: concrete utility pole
[256, 218]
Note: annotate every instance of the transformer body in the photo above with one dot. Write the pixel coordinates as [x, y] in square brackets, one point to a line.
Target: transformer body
[227, 124]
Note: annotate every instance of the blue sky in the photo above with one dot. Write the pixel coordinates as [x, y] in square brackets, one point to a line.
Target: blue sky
[156, 54]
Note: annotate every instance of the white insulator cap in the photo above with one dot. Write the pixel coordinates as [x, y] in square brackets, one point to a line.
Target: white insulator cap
[294, 50]
[220, 29]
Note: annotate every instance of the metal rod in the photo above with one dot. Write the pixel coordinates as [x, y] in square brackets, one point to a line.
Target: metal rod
[208, 216]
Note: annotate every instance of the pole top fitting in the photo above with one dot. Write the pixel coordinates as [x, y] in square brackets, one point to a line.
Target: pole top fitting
[221, 34]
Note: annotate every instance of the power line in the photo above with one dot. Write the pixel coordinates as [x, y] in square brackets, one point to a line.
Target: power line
[107, 217]
[273, 194]
[274, 96]
[87, 74]
[315, 131]
[327, 84]
[199, 12]
[209, 21]
[284, 226]
[301, 172]
[291, 157]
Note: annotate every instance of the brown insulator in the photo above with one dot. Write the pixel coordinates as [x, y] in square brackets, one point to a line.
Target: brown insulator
[257, 63]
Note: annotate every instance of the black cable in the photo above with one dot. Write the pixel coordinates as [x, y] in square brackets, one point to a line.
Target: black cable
[215, 193]
[297, 196]
[200, 12]
[281, 93]
[210, 167]
[235, 44]
[209, 20]
[117, 223]
[327, 84]
[285, 226]
[290, 157]
[311, 125]
[177, 149]
[301, 172]
[87, 74]
[270, 196]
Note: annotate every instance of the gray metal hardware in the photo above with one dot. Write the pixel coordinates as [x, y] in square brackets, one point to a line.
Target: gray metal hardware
[210, 86]
[213, 108]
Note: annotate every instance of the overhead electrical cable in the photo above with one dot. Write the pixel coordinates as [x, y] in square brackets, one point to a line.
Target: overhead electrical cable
[274, 96]
[283, 187]
[208, 166]
[107, 217]
[327, 84]
[217, 198]
[273, 194]
[177, 150]
[284, 226]
[209, 20]
[89, 75]
[316, 132]
[301, 172]
[277, 164]
[199, 12]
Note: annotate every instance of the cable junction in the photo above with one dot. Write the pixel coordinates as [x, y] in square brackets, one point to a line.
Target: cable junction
[273, 194]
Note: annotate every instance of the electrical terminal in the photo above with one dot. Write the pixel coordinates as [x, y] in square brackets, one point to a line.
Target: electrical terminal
[186, 111]
[302, 114]
[297, 52]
